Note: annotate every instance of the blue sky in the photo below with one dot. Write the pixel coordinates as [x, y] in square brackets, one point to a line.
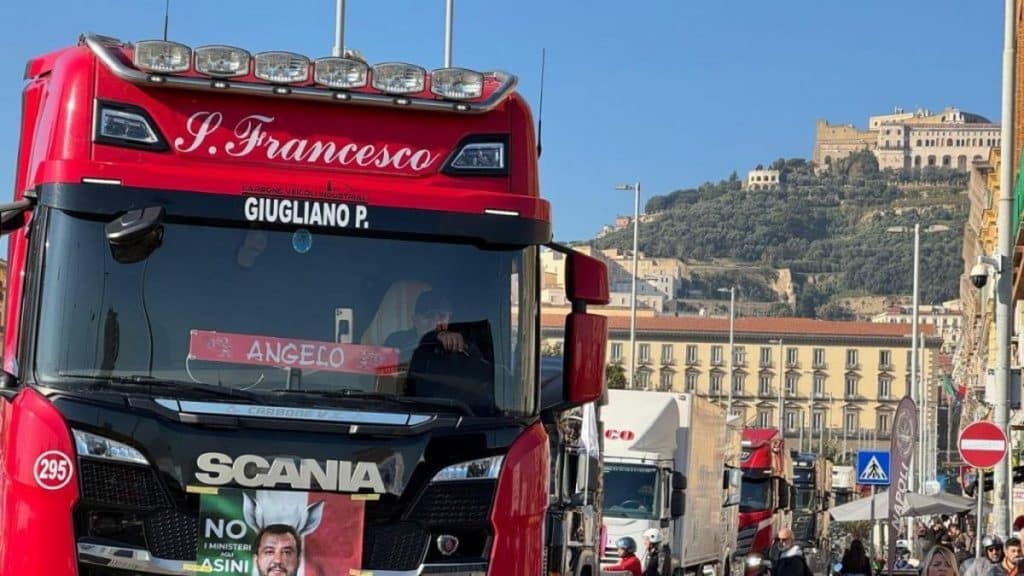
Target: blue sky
[670, 92]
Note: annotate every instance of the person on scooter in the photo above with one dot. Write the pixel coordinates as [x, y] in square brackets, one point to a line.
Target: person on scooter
[652, 545]
[628, 562]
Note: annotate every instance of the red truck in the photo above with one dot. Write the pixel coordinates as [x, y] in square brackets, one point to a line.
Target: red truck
[248, 281]
[766, 492]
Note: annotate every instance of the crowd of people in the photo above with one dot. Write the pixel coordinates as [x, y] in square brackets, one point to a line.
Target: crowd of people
[944, 549]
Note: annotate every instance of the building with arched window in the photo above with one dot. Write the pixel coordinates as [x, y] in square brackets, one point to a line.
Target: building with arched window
[947, 139]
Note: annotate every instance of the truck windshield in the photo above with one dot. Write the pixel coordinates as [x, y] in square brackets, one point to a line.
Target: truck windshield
[631, 491]
[755, 494]
[290, 315]
[804, 499]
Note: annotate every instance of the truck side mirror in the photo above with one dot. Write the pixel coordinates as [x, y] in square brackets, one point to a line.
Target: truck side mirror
[677, 503]
[8, 380]
[678, 481]
[586, 335]
[13, 215]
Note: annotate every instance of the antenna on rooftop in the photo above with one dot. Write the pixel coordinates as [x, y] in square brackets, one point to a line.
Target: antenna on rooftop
[167, 16]
[449, 15]
[540, 111]
[339, 30]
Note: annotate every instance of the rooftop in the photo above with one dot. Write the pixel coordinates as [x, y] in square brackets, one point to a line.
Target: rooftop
[795, 327]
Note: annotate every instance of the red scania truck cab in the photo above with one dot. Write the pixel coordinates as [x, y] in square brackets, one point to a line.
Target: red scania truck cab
[264, 309]
[766, 490]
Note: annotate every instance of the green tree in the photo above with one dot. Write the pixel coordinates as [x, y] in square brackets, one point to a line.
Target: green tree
[780, 310]
[615, 376]
[834, 311]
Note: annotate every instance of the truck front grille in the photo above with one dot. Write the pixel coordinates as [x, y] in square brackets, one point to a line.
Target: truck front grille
[400, 546]
[455, 504]
[115, 490]
[745, 539]
[172, 534]
[106, 483]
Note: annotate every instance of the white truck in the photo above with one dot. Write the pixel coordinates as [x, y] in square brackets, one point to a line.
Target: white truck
[732, 482]
[844, 484]
[664, 464]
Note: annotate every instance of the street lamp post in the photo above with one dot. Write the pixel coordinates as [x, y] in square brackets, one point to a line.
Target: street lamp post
[782, 375]
[1002, 501]
[635, 187]
[732, 348]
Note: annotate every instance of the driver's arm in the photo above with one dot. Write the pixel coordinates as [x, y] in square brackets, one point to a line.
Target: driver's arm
[451, 341]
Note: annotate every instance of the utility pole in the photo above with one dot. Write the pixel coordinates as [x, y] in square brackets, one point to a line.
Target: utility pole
[635, 187]
[1001, 500]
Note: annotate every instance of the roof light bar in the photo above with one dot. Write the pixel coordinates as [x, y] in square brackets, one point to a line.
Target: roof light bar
[162, 56]
[399, 78]
[222, 61]
[282, 67]
[342, 73]
[457, 83]
[156, 62]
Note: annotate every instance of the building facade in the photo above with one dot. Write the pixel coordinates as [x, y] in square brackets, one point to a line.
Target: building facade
[659, 280]
[946, 319]
[951, 138]
[837, 381]
[763, 179]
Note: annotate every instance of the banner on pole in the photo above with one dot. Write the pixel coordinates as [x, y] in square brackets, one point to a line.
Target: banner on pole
[904, 433]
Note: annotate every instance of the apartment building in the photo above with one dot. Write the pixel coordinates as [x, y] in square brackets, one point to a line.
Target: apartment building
[835, 381]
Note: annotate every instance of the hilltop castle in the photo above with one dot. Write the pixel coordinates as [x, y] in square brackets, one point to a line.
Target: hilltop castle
[950, 139]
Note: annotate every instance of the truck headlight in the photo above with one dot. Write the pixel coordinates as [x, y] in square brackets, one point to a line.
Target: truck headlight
[94, 446]
[481, 469]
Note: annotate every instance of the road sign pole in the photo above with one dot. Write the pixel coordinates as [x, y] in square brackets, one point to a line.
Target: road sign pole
[979, 528]
[876, 535]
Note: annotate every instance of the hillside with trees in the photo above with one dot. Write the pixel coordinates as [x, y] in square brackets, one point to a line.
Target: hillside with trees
[846, 232]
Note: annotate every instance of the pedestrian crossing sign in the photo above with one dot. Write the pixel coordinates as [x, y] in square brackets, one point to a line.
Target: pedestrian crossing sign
[873, 468]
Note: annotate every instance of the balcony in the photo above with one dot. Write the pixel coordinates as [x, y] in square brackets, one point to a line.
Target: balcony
[852, 365]
[717, 362]
[885, 367]
[740, 362]
[692, 361]
[819, 365]
[765, 363]
[792, 364]
[668, 361]
[766, 392]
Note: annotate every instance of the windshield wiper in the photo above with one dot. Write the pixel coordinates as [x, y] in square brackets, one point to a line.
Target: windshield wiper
[414, 401]
[166, 383]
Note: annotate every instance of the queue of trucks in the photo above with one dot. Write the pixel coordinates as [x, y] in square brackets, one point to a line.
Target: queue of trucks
[250, 239]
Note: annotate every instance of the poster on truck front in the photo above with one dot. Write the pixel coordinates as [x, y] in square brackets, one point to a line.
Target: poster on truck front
[278, 533]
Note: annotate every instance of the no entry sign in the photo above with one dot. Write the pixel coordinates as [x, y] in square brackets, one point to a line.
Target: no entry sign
[982, 444]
